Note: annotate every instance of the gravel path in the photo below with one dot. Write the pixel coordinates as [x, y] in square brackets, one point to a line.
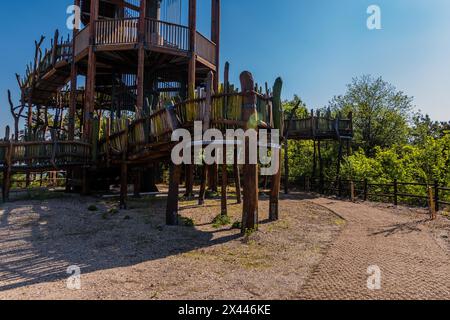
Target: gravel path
[412, 264]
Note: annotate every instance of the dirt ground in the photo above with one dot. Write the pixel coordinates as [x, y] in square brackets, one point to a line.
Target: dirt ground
[131, 254]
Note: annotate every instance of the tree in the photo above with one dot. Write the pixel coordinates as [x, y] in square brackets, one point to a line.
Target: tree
[423, 127]
[380, 112]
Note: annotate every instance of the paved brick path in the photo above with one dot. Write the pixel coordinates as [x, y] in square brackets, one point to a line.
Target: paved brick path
[413, 266]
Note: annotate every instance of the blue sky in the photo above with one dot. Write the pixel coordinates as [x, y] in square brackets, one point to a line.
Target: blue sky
[316, 46]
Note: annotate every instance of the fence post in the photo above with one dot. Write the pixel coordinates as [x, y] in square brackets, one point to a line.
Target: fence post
[431, 203]
[395, 192]
[366, 189]
[339, 188]
[436, 195]
[352, 191]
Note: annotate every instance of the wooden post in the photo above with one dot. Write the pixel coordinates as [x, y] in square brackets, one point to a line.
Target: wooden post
[201, 196]
[436, 195]
[276, 179]
[395, 192]
[192, 43]
[224, 209]
[124, 171]
[7, 168]
[189, 181]
[73, 85]
[55, 47]
[206, 126]
[250, 207]
[141, 59]
[366, 189]
[352, 191]
[314, 169]
[431, 204]
[91, 74]
[321, 181]
[215, 37]
[172, 200]
[237, 176]
[286, 166]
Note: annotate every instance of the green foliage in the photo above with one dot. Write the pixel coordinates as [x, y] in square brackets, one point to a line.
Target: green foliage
[187, 222]
[237, 225]
[220, 221]
[380, 113]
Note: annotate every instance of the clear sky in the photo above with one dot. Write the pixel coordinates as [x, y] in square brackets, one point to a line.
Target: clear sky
[316, 46]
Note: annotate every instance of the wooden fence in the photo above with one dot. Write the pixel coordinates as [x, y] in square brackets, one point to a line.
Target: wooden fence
[395, 192]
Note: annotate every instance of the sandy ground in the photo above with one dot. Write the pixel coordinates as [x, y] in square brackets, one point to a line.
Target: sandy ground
[132, 255]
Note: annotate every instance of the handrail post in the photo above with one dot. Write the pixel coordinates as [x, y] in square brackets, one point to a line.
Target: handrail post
[396, 192]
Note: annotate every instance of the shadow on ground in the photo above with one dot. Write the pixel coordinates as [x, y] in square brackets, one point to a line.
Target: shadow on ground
[39, 240]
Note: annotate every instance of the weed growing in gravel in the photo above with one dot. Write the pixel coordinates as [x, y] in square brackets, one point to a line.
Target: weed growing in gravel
[236, 225]
[221, 221]
[187, 222]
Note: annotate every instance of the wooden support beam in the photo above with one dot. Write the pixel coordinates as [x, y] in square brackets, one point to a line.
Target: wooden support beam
[174, 189]
[7, 170]
[124, 171]
[91, 75]
[201, 196]
[250, 207]
[237, 176]
[215, 37]
[236, 171]
[286, 166]
[206, 126]
[189, 181]
[276, 179]
[192, 43]
[224, 207]
[141, 59]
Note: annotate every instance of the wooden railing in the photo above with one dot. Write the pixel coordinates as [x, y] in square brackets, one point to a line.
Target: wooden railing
[117, 31]
[395, 192]
[165, 34]
[82, 40]
[44, 154]
[320, 126]
[206, 48]
[136, 136]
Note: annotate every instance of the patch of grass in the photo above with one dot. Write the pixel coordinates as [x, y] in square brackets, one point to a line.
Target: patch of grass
[211, 194]
[248, 235]
[93, 208]
[339, 222]
[237, 225]
[187, 222]
[221, 221]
